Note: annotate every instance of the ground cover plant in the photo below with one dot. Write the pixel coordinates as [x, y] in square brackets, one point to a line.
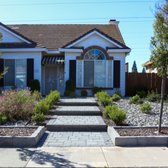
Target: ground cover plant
[146, 108]
[103, 98]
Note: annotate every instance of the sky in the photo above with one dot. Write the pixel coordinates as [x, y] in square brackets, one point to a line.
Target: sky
[136, 18]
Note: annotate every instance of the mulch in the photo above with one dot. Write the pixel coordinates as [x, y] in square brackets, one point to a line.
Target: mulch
[16, 131]
[141, 132]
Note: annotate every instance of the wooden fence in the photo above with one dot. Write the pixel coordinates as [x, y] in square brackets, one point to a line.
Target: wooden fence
[143, 81]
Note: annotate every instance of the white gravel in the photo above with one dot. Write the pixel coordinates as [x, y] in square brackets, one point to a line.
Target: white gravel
[136, 118]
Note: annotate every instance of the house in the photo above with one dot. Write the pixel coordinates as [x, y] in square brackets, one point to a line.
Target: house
[92, 55]
[148, 67]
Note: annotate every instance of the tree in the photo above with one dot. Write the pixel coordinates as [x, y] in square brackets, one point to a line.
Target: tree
[159, 54]
[143, 70]
[134, 67]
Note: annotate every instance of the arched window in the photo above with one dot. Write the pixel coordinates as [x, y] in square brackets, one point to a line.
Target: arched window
[94, 54]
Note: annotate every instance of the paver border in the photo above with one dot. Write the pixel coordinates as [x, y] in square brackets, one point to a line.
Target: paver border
[133, 141]
[22, 141]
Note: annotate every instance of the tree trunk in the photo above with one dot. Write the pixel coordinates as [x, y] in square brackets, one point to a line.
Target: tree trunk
[163, 87]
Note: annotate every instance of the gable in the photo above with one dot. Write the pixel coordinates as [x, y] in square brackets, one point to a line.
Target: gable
[95, 37]
[7, 37]
[96, 40]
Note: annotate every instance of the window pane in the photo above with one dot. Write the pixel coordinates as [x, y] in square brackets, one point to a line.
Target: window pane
[100, 73]
[88, 74]
[21, 73]
[9, 79]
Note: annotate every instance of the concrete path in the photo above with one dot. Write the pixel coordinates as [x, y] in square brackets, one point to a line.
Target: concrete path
[85, 157]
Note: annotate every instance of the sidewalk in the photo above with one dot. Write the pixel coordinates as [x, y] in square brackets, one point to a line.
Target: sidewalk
[84, 157]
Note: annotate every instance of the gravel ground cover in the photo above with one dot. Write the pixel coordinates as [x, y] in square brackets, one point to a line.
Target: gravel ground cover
[142, 132]
[16, 131]
[134, 116]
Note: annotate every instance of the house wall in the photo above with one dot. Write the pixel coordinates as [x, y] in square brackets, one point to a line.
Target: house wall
[8, 37]
[25, 55]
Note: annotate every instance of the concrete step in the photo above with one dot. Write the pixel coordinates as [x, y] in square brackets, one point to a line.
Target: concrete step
[77, 139]
[77, 102]
[77, 123]
[75, 110]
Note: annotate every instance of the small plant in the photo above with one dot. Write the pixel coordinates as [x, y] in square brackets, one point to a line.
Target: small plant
[3, 119]
[153, 97]
[84, 93]
[37, 95]
[116, 114]
[42, 107]
[70, 85]
[38, 117]
[142, 94]
[134, 100]
[103, 98]
[146, 108]
[35, 85]
[115, 97]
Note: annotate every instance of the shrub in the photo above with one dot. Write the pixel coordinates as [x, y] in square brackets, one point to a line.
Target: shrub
[115, 97]
[35, 85]
[17, 104]
[42, 107]
[38, 117]
[70, 86]
[37, 95]
[103, 98]
[146, 108]
[153, 97]
[134, 100]
[114, 113]
[52, 98]
[142, 94]
[84, 93]
[3, 119]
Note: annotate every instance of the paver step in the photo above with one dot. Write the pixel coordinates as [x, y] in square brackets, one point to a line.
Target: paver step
[75, 110]
[77, 102]
[77, 139]
[76, 123]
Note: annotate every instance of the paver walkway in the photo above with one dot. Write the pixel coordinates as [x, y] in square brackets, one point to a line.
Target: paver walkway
[76, 122]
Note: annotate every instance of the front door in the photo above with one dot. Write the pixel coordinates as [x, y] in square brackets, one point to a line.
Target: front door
[50, 78]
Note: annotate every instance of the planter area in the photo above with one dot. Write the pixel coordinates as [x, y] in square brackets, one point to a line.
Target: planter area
[20, 136]
[138, 136]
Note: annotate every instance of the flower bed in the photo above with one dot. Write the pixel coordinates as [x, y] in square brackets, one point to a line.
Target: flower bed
[20, 136]
[138, 136]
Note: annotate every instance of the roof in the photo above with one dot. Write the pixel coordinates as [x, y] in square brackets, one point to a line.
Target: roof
[147, 63]
[54, 36]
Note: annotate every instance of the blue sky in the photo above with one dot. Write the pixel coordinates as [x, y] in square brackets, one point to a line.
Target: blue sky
[136, 18]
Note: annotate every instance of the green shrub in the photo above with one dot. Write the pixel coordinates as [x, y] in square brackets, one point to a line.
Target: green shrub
[115, 97]
[3, 119]
[142, 94]
[114, 113]
[42, 107]
[84, 93]
[153, 97]
[52, 98]
[70, 86]
[96, 89]
[38, 117]
[103, 98]
[146, 108]
[35, 85]
[134, 100]
[37, 95]
[17, 105]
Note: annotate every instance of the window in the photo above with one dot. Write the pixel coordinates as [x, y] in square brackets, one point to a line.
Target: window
[16, 75]
[94, 68]
[94, 54]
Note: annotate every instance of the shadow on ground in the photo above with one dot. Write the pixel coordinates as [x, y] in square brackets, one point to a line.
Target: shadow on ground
[43, 158]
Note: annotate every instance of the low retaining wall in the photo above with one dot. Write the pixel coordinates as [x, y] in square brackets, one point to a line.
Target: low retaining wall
[22, 141]
[136, 140]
